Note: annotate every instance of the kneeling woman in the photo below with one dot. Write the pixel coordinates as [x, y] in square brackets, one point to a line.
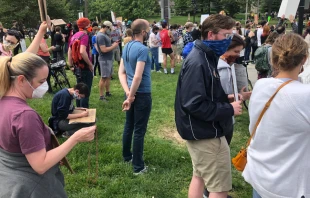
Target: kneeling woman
[29, 166]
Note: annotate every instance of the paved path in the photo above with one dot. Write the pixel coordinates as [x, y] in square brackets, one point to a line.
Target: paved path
[252, 73]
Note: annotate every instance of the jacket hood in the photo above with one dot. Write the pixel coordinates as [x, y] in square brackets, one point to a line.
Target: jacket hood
[222, 65]
[199, 45]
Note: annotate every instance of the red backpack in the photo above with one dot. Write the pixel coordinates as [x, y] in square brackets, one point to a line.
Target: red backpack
[76, 55]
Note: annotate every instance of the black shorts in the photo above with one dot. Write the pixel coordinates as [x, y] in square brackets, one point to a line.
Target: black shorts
[166, 50]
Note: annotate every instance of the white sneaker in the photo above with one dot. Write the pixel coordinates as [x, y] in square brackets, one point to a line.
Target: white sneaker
[159, 71]
[152, 70]
[142, 171]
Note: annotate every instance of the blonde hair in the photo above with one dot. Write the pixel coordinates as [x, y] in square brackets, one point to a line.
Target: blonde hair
[188, 25]
[288, 52]
[22, 64]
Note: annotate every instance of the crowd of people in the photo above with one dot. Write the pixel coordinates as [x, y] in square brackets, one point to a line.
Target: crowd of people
[205, 105]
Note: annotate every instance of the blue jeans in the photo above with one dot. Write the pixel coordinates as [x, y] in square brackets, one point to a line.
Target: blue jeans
[87, 78]
[154, 52]
[247, 53]
[137, 118]
[255, 194]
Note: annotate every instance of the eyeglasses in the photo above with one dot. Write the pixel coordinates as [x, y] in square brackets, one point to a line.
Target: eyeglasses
[10, 42]
[227, 36]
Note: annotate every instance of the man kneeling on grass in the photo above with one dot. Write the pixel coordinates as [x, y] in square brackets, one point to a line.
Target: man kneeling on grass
[62, 109]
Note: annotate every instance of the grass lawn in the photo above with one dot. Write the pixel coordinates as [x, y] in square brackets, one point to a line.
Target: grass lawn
[165, 153]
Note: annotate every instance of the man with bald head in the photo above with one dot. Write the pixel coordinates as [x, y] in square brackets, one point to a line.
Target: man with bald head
[135, 77]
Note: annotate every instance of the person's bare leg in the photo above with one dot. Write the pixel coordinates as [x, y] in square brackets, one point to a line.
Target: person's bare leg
[172, 60]
[102, 86]
[107, 84]
[196, 187]
[218, 195]
[165, 61]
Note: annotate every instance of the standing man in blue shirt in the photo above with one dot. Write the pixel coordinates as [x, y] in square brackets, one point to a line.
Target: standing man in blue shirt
[135, 77]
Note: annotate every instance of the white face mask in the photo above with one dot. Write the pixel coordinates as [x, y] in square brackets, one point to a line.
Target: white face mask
[39, 91]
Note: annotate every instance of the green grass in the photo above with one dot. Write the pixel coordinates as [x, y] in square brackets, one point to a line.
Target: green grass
[170, 167]
[168, 159]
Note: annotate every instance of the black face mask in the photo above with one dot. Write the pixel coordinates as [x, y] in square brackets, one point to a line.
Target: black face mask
[146, 37]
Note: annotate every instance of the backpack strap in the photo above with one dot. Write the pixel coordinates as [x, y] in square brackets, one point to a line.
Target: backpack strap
[81, 36]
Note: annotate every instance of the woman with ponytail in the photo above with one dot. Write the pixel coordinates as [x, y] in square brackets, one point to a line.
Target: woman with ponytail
[29, 165]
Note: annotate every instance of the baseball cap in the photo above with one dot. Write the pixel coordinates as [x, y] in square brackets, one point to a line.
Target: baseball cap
[107, 24]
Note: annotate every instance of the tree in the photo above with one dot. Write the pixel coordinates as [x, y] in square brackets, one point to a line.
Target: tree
[274, 5]
[27, 11]
[125, 8]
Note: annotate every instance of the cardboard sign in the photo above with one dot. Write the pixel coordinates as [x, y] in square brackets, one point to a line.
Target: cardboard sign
[43, 10]
[91, 118]
[56, 22]
[119, 19]
[203, 18]
[288, 7]
[81, 15]
[241, 77]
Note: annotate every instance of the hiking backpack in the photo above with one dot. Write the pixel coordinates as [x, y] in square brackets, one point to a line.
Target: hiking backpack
[261, 59]
[77, 58]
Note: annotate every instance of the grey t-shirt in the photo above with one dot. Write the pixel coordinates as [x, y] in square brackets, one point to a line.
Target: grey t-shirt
[103, 39]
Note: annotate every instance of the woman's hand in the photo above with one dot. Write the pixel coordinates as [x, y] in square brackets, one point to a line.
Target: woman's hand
[85, 134]
[245, 95]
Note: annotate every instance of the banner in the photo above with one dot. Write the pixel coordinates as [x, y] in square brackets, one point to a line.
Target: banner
[203, 18]
[113, 16]
[288, 7]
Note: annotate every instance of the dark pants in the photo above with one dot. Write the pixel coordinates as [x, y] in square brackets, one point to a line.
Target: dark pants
[254, 48]
[95, 62]
[87, 78]
[247, 53]
[137, 118]
[63, 125]
[154, 52]
[120, 48]
[16, 49]
[229, 135]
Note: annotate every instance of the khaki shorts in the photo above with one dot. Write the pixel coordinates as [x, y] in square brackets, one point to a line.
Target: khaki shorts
[211, 162]
[117, 54]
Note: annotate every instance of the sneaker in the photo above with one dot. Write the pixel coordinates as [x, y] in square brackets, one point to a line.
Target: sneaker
[108, 94]
[102, 98]
[65, 135]
[159, 71]
[152, 70]
[172, 72]
[128, 161]
[142, 171]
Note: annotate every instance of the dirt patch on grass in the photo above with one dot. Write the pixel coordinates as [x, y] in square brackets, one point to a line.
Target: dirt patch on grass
[171, 133]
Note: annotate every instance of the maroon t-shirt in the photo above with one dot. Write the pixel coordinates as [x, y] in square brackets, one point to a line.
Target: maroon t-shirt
[21, 128]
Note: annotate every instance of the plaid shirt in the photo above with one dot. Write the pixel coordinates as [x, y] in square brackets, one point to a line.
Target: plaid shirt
[187, 38]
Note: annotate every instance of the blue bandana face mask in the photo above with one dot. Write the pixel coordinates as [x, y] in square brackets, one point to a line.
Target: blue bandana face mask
[219, 46]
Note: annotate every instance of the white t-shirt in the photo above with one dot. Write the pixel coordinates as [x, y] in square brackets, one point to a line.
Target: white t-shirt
[153, 42]
[278, 156]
